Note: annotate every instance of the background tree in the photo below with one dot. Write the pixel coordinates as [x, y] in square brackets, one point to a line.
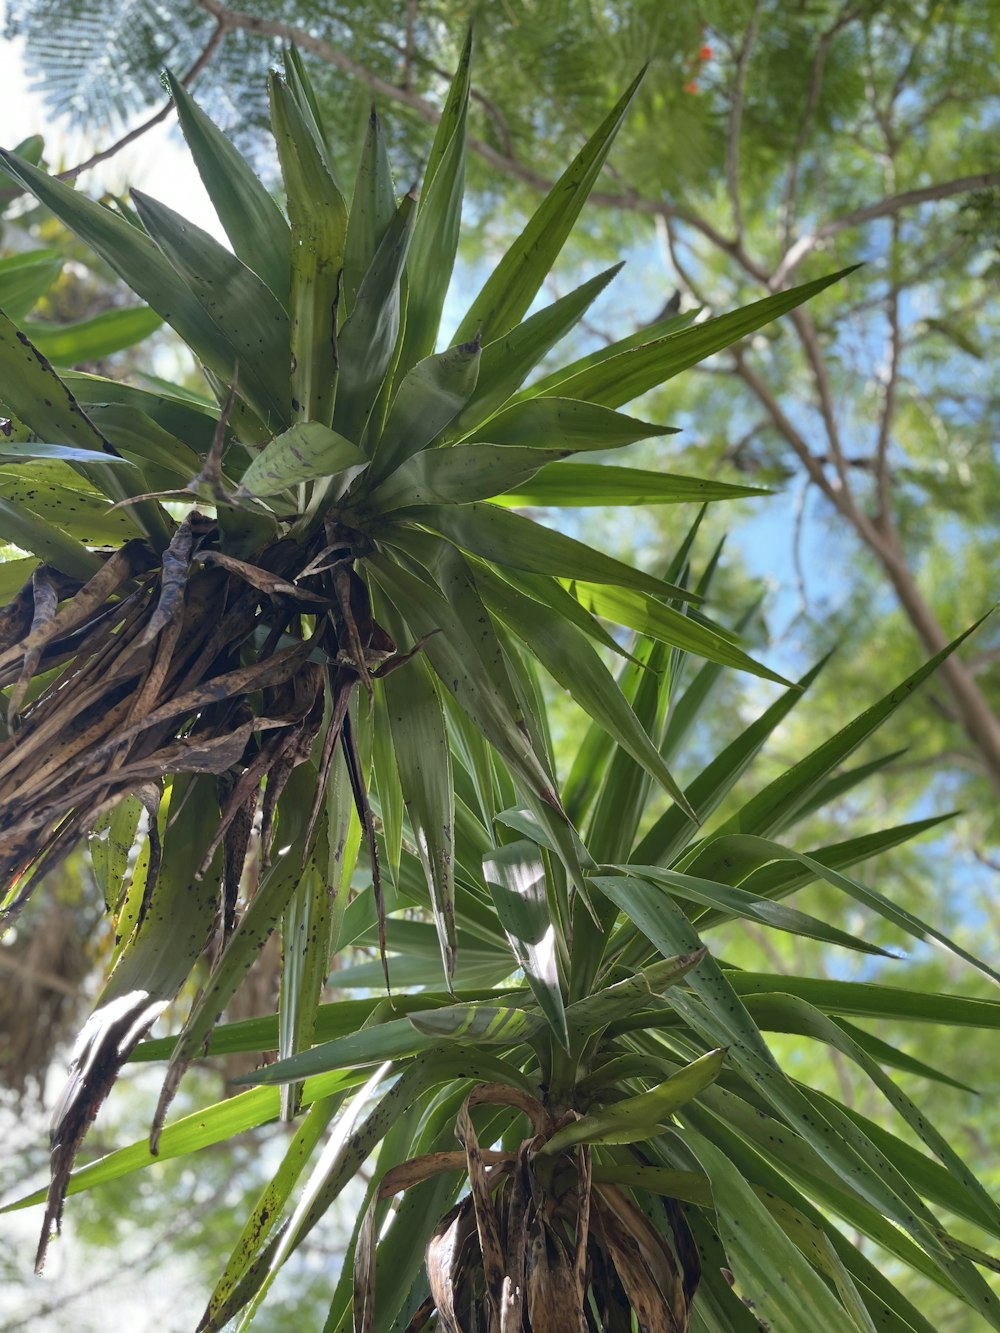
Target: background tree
[699, 260]
[766, 143]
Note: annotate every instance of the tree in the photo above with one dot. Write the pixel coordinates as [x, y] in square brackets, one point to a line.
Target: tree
[794, 139]
[169, 679]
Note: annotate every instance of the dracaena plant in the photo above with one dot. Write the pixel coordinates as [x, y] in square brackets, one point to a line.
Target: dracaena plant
[590, 1131]
[301, 617]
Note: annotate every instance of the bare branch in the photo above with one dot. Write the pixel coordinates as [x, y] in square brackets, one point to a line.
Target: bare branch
[784, 426]
[210, 47]
[668, 240]
[411, 43]
[809, 338]
[800, 572]
[883, 515]
[923, 194]
[736, 119]
[805, 125]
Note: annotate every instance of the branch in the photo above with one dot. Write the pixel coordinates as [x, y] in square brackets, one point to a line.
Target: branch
[411, 43]
[217, 35]
[736, 119]
[784, 427]
[665, 234]
[805, 126]
[883, 517]
[809, 338]
[923, 194]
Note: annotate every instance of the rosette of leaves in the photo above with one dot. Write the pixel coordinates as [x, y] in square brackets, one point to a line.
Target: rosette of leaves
[591, 1131]
[209, 583]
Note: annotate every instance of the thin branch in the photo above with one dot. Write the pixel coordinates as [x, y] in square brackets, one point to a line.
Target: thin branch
[209, 50]
[883, 517]
[736, 119]
[809, 338]
[805, 125]
[668, 240]
[410, 46]
[800, 572]
[785, 427]
[923, 194]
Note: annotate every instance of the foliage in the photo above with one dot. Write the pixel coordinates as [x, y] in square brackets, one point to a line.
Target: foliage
[765, 142]
[169, 671]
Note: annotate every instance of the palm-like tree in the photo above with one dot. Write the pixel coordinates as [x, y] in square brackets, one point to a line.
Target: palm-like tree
[339, 650]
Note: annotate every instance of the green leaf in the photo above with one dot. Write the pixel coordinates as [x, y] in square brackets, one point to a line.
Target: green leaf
[30, 532]
[304, 452]
[14, 574]
[429, 397]
[423, 761]
[741, 853]
[646, 333]
[243, 309]
[456, 475]
[635, 1119]
[389, 793]
[863, 999]
[318, 216]
[92, 339]
[307, 930]
[456, 659]
[145, 442]
[265, 910]
[201, 1129]
[487, 1025]
[25, 278]
[777, 879]
[184, 418]
[787, 794]
[153, 965]
[516, 280]
[568, 656]
[580, 485]
[58, 495]
[771, 1273]
[135, 257]
[612, 1003]
[507, 361]
[618, 379]
[669, 834]
[563, 423]
[252, 220]
[796, 1015]
[391, 1039]
[110, 844]
[713, 1010]
[509, 539]
[367, 340]
[747, 906]
[372, 210]
[345, 1154]
[61, 453]
[436, 230]
[515, 875]
[275, 1194]
[42, 401]
[932, 1179]
[634, 608]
